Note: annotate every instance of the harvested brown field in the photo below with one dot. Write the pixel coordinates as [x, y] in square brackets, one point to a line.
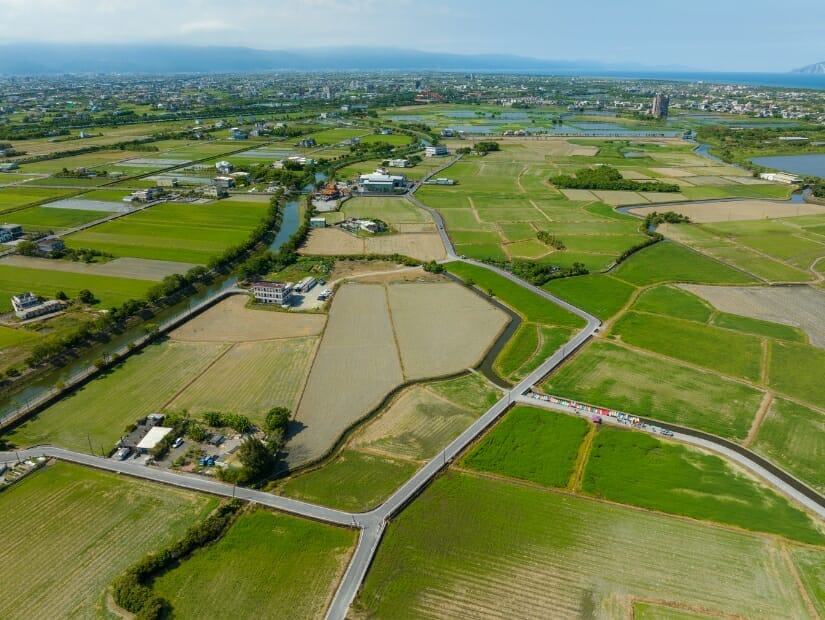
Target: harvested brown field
[231, 321]
[798, 306]
[441, 327]
[332, 241]
[356, 366]
[134, 268]
[619, 198]
[582, 195]
[657, 197]
[673, 172]
[737, 210]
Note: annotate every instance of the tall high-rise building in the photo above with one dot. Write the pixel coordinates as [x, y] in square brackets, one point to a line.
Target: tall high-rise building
[660, 105]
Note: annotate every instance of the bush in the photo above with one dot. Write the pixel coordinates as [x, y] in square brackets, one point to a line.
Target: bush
[608, 178]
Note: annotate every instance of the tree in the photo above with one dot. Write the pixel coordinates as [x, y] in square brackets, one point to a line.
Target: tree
[86, 296]
[277, 419]
[27, 248]
[255, 457]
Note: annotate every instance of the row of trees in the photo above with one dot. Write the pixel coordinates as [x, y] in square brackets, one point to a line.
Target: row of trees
[608, 178]
[550, 239]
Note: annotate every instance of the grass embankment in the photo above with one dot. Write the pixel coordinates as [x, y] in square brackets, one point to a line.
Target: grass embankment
[71, 530]
[474, 546]
[267, 565]
[531, 444]
[634, 468]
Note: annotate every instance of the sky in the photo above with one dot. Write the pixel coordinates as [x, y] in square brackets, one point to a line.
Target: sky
[711, 35]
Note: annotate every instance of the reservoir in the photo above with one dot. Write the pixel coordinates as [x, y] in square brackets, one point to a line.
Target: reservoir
[805, 165]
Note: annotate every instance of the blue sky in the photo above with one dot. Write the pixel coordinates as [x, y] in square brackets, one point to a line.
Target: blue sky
[720, 35]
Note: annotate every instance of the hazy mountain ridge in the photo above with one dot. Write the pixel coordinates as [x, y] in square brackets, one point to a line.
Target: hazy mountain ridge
[818, 68]
[44, 59]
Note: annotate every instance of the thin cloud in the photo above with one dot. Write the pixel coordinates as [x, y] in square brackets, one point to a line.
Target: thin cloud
[206, 26]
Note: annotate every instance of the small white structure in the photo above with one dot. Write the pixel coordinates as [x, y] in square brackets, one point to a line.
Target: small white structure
[399, 163]
[223, 167]
[272, 292]
[152, 438]
[781, 177]
[382, 183]
[436, 151]
[317, 222]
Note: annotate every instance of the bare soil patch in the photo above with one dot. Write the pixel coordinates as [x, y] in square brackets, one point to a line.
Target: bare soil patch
[356, 366]
[583, 195]
[134, 268]
[738, 210]
[441, 328]
[231, 321]
[799, 306]
[619, 198]
[331, 242]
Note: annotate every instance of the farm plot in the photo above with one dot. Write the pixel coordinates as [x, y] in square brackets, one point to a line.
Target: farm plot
[425, 418]
[635, 468]
[601, 295]
[354, 480]
[191, 233]
[15, 197]
[94, 416]
[71, 530]
[737, 210]
[271, 566]
[390, 210]
[465, 327]
[133, 268]
[611, 376]
[47, 219]
[359, 336]
[669, 262]
[108, 290]
[793, 436]
[797, 370]
[373, 328]
[231, 321]
[336, 242]
[250, 379]
[531, 444]
[527, 552]
[798, 306]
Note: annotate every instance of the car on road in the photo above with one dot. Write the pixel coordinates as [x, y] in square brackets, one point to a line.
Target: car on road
[178, 442]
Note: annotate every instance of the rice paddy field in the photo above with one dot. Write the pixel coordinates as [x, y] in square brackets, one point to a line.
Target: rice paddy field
[12, 198]
[613, 376]
[191, 233]
[527, 551]
[71, 530]
[267, 565]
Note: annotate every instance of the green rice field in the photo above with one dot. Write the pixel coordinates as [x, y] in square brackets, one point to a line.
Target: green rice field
[267, 565]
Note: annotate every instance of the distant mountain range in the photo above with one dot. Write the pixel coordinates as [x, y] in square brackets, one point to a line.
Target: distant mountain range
[818, 68]
[46, 59]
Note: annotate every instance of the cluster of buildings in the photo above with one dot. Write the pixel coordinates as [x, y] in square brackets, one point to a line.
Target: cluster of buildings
[381, 182]
[29, 306]
[10, 232]
[144, 195]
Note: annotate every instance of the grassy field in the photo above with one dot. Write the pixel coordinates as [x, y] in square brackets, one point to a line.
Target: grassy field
[610, 376]
[521, 347]
[474, 547]
[552, 338]
[90, 415]
[109, 291]
[14, 197]
[600, 295]
[531, 444]
[251, 378]
[811, 566]
[673, 302]
[634, 468]
[669, 262]
[180, 232]
[10, 337]
[793, 437]
[737, 355]
[390, 210]
[426, 417]
[532, 307]
[354, 481]
[758, 327]
[797, 370]
[45, 219]
[70, 530]
[267, 565]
